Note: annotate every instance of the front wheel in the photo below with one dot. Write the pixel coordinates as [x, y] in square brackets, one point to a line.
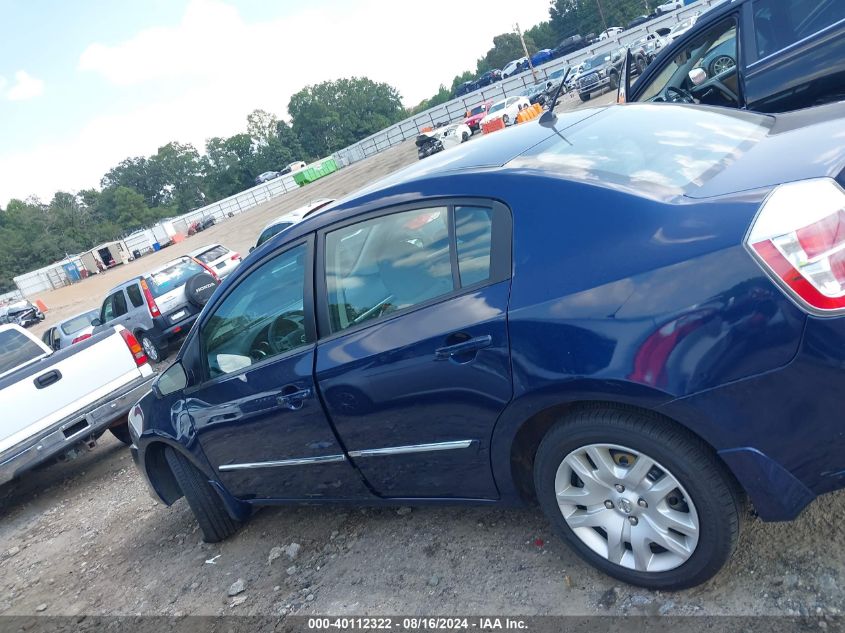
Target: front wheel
[585, 96]
[614, 81]
[208, 509]
[638, 497]
[506, 120]
[121, 432]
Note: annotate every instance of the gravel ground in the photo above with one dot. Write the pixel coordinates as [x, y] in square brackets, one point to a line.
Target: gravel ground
[84, 538]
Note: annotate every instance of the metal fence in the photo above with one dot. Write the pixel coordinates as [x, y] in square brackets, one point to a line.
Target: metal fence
[47, 278]
[456, 108]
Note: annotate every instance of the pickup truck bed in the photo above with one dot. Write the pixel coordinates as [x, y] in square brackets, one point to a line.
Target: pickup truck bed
[58, 400]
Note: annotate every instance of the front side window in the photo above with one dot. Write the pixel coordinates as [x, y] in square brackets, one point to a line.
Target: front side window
[703, 71]
[113, 307]
[261, 318]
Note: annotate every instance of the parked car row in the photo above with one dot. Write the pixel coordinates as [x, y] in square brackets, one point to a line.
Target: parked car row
[271, 175]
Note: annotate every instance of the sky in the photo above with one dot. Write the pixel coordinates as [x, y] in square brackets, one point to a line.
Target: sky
[85, 84]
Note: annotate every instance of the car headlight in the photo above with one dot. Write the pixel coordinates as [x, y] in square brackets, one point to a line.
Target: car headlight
[600, 74]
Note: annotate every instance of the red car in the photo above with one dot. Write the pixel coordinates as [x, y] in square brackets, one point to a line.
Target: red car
[474, 116]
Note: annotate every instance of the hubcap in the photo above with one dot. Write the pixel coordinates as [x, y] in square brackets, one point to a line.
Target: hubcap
[149, 348]
[721, 64]
[627, 507]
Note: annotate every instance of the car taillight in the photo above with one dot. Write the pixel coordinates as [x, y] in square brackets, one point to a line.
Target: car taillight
[799, 237]
[151, 302]
[235, 257]
[80, 338]
[134, 347]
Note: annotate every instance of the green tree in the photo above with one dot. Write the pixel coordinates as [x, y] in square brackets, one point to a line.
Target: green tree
[506, 48]
[331, 115]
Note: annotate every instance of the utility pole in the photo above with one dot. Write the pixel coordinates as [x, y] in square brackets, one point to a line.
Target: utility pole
[601, 13]
[525, 48]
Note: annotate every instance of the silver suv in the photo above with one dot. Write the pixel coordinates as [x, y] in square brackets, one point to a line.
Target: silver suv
[159, 307]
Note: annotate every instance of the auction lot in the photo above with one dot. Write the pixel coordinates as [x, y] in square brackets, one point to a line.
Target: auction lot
[84, 537]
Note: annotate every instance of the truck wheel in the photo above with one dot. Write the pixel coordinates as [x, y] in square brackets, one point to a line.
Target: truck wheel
[585, 96]
[121, 432]
[154, 352]
[214, 521]
[639, 498]
[614, 81]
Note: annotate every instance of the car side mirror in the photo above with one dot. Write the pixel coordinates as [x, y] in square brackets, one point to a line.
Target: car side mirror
[96, 322]
[172, 380]
[697, 76]
[251, 248]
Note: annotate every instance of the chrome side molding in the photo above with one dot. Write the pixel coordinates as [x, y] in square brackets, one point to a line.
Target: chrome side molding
[413, 448]
[302, 461]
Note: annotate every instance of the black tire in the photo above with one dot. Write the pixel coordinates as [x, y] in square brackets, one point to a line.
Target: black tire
[641, 65]
[506, 119]
[155, 352]
[585, 96]
[709, 486]
[121, 432]
[465, 137]
[214, 521]
[614, 81]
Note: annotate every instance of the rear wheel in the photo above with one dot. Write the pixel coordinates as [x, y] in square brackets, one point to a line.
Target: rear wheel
[506, 120]
[637, 497]
[154, 352]
[214, 521]
[121, 432]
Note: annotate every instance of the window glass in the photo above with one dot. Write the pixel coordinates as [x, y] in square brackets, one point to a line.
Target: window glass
[119, 304]
[714, 51]
[173, 275]
[78, 323]
[134, 292]
[376, 267]
[271, 231]
[212, 254]
[16, 349]
[108, 310]
[261, 318]
[473, 232]
[779, 23]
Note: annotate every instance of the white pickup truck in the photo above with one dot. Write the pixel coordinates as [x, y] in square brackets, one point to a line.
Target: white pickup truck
[55, 403]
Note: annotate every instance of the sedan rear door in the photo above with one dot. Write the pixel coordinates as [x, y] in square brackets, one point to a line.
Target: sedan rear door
[414, 362]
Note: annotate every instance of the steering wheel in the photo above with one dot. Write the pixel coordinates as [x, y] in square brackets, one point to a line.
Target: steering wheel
[286, 333]
[728, 67]
[678, 95]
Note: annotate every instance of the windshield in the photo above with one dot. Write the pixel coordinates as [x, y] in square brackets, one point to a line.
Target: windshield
[213, 254]
[683, 25]
[674, 148]
[16, 349]
[476, 110]
[270, 231]
[595, 62]
[173, 276]
[74, 325]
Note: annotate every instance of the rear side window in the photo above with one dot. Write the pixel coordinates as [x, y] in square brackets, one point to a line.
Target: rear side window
[135, 297]
[780, 23]
[400, 260]
[173, 276]
[16, 349]
[212, 254]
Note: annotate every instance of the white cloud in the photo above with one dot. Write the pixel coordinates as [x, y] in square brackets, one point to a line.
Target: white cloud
[229, 67]
[25, 87]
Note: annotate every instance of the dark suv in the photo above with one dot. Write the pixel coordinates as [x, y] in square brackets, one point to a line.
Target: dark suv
[763, 55]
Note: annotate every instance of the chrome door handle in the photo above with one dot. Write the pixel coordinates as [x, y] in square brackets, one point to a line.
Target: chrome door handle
[472, 345]
[293, 400]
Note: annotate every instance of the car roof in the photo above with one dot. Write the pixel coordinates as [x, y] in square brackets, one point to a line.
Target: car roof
[297, 214]
[203, 249]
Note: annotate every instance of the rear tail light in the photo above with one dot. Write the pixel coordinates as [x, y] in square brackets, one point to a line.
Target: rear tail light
[80, 338]
[799, 237]
[134, 347]
[236, 257]
[151, 302]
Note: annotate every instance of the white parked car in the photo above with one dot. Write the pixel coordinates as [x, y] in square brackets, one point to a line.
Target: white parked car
[452, 135]
[506, 109]
[613, 31]
[218, 258]
[289, 219]
[511, 67]
[681, 28]
[666, 7]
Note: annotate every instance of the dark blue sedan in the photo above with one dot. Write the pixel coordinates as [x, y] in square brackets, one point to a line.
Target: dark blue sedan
[632, 316]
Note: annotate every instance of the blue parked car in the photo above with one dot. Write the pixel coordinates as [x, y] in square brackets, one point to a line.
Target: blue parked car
[632, 315]
[542, 56]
